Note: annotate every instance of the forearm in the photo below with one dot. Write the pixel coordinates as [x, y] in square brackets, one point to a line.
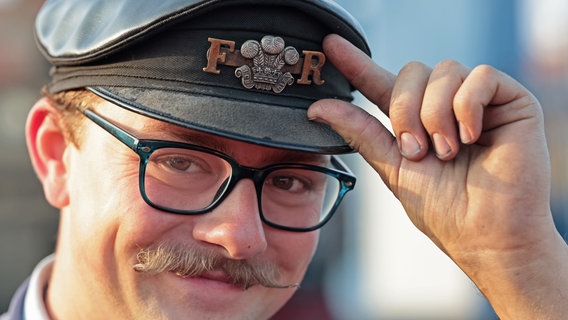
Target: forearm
[525, 285]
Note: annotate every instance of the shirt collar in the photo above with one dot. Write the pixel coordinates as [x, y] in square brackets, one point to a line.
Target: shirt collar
[34, 303]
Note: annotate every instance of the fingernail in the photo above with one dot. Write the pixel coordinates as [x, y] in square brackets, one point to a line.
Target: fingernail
[409, 146]
[441, 146]
[317, 119]
[465, 134]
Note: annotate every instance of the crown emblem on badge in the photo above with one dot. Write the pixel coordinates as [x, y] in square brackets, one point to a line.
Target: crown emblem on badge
[267, 65]
[269, 56]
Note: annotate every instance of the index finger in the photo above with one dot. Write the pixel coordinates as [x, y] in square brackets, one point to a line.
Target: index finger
[372, 81]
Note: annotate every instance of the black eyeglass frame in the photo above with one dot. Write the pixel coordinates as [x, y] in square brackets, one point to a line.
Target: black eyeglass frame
[145, 147]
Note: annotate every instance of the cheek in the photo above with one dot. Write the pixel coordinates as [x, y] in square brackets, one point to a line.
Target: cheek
[294, 252]
[105, 204]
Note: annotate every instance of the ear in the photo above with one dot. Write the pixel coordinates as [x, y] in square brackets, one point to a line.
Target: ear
[46, 146]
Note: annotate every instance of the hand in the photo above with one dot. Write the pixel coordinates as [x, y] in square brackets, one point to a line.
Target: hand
[470, 165]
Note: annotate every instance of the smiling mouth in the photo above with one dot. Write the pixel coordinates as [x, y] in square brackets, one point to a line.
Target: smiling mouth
[220, 277]
[223, 278]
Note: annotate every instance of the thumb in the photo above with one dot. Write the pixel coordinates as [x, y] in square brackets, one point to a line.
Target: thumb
[363, 132]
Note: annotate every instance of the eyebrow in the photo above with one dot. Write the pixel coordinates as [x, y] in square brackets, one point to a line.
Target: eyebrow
[208, 140]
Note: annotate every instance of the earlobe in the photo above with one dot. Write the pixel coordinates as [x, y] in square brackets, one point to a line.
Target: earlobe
[46, 146]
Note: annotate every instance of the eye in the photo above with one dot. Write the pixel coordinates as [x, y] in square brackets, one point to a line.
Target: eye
[179, 163]
[185, 162]
[288, 183]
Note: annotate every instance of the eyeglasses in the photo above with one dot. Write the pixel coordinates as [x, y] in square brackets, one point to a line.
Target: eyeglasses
[189, 179]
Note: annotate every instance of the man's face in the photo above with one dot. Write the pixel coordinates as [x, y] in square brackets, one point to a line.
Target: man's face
[107, 223]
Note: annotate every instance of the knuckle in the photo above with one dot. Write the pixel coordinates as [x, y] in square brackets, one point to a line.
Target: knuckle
[450, 68]
[430, 115]
[448, 65]
[400, 106]
[366, 128]
[485, 71]
[413, 66]
[462, 101]
[403, 113]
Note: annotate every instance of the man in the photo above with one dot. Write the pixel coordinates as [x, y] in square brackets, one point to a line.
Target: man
[192, 181]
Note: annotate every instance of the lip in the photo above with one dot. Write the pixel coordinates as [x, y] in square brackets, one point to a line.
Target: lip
[217, 276]
[212, 280]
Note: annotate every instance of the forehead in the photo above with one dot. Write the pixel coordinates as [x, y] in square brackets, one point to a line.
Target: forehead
[144, 127]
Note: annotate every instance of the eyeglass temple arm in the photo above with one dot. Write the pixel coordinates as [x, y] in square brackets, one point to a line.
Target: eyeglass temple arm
[128, 139]
[132, 142]
[339, 164]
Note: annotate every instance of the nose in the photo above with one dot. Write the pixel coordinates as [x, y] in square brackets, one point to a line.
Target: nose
[235, 224]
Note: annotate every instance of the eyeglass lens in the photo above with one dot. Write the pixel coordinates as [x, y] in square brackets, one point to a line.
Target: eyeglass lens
[191, 180]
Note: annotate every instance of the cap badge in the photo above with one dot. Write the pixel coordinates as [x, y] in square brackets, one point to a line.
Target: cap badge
[267, 65]
[269, 56]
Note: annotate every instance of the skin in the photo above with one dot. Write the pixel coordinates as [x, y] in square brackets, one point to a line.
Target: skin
[470, 165]
[104, 222]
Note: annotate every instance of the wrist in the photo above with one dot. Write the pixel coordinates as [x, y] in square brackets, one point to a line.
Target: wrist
[529, 282]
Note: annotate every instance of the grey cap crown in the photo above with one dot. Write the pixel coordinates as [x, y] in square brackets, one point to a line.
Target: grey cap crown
[72, 32]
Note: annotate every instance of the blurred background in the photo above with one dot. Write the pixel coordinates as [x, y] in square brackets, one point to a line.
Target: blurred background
[372, 263]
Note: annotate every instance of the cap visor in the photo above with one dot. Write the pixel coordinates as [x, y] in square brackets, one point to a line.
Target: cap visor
[259, 123]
